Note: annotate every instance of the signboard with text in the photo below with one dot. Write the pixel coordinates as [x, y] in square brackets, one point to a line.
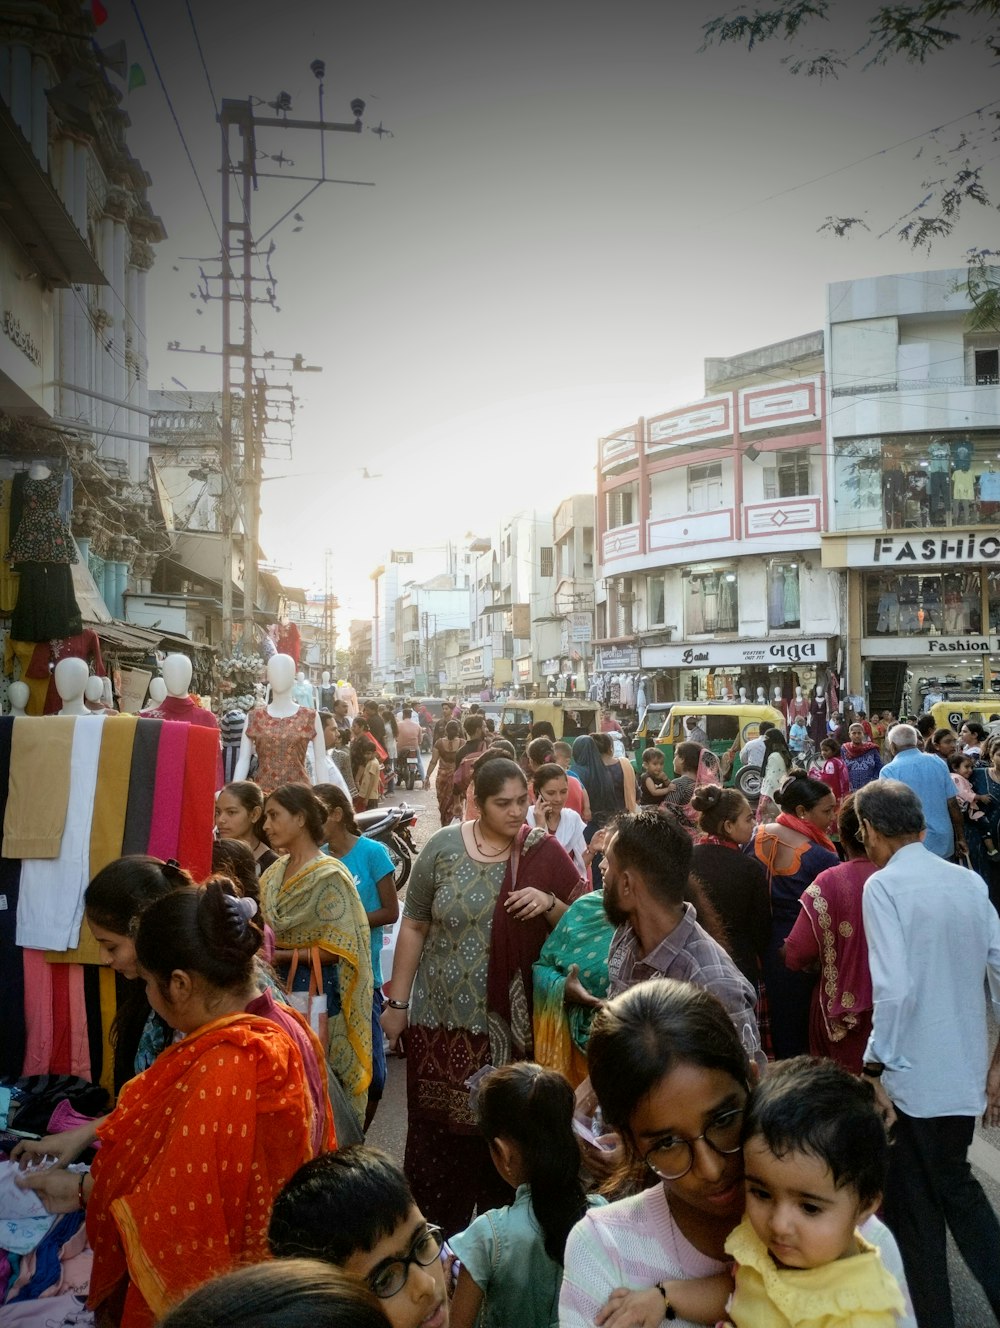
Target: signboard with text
[711, 654]
[609, 658]
[920, 647]
[958, 548]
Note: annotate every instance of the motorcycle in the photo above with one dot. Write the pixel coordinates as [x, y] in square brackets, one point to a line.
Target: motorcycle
[391, 826]
[408, 767]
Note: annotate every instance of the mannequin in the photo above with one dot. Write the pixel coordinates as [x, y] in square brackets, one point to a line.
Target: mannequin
[71, 680]
[799, 707]
[743, 696]
[177, 704]
[327, 691]
[761, 697]
[818, 728]
[157, 690]
[93, 695]
[281, 733]
[304, 693]
[345, 692]
[38, 471]
[18, 693]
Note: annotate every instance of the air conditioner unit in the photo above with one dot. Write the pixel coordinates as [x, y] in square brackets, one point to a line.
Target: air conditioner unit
[626, 597]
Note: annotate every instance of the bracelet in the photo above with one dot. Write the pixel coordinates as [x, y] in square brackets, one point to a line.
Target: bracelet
[552, 901]
[79, 1194]
[668, 1310]
[397, 1005]
[873, 1070]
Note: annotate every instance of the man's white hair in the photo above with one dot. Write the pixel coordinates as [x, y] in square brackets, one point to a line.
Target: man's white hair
[903, 735]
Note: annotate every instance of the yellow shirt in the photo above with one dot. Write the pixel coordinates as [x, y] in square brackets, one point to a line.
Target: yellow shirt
[856, 1292]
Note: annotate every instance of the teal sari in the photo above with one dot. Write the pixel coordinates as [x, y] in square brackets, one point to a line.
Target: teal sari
[582, 936]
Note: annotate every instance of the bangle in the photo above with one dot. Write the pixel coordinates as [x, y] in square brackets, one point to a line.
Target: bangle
[873, 1070]
[668, 1310]
[79, 1194]
[397, 1005]
[552, 902]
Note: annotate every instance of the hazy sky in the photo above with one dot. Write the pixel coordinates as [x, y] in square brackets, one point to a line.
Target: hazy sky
[575, 210]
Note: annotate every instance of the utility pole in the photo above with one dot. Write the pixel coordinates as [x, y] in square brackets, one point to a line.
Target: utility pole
[241, 471]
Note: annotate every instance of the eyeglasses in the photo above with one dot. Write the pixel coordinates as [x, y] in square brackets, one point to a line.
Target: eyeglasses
[671, 1158]
[389, 1278]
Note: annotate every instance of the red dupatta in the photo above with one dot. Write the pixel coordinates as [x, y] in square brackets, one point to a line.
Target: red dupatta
[833, 906]
[539, 860]
[191, 1161]
[807, 829]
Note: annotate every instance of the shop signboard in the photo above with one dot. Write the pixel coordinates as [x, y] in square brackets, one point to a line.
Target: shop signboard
[927, 647]
[471, 665]
[522, 668]
[711, 654]
[611, 658]
[581, 627]
[957, 548]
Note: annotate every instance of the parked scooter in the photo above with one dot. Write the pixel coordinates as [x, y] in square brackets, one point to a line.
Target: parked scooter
[408, 767]
[391, 826]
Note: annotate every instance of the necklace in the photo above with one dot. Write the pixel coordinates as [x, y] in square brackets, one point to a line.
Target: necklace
[485, 851]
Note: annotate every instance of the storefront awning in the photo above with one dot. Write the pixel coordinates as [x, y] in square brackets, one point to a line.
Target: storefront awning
[123, 636]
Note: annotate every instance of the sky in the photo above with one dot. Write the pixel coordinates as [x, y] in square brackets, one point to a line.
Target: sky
[576, 207]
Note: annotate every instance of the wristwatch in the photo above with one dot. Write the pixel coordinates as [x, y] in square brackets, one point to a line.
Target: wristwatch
[872, 1069]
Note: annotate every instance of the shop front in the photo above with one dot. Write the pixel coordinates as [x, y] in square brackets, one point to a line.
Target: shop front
[719, 670]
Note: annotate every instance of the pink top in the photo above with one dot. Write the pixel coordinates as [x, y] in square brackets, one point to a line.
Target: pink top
[267, 1007]
[966, 795]
[184, 709]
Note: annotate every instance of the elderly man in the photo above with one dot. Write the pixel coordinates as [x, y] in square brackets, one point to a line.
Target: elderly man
[695, 733]
[646, 864]
[928, 777]
[933, 936]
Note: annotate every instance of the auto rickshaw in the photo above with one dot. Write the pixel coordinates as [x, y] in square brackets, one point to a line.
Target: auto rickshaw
[570, 718]
[953, 713]
[650, 723]
[729, 727]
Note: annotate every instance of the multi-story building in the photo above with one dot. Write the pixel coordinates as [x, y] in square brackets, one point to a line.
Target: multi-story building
[914, 469]
[573, 596]
[709, 521]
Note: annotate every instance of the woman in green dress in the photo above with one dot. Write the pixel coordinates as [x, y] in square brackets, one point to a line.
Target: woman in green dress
[480, 903]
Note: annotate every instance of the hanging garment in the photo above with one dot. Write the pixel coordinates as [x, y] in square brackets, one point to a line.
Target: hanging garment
[184, 710]
[197, 819]
[141, 785]
[727, 605]
[46, 603]
[50, 907]
[9, 579]
[39, 759]
[281, 744]
[776, 598]
[791, 597]
[289, 640]
[231, 727]
[695, 606]
[164, 828]
[43, 534]
[12, 1034]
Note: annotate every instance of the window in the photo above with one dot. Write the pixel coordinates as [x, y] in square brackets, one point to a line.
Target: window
[656, 608]
[783, 594]
[547, 560]
[788, 475]
[922, 604]
[705, 487]
[624, 618]
[711, 601]
[621, 506]
[987, 367]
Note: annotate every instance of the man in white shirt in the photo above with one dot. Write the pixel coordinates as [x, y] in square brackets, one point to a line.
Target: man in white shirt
[753, 751]
[933, 936]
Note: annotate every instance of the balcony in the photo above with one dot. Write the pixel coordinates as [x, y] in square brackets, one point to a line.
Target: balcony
[672, 532]
[621, 542]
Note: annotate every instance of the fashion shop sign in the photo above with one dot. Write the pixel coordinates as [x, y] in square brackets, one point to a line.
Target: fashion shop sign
[918, 647]
[951, 550]
[710, 654]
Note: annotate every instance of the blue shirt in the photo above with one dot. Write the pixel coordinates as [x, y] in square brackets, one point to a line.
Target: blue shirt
[930, 780]
[933, 935]
[368, 861]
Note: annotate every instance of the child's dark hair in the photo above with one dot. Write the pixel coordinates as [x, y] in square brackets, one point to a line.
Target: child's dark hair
[335, 799]
[652, 753]
[299, 1293]
[339, 1203]
[957, 759]
[232, 858]
[209, 931]
[534, 1107]
[813, 1105]
[831, 746]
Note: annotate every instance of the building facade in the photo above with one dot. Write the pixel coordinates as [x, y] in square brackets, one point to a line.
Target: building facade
[914, 467]
[709, 524]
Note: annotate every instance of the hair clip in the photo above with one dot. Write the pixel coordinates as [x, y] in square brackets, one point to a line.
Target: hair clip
[244, 906]
[172, 862]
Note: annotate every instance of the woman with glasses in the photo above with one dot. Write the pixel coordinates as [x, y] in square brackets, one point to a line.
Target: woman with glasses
[673, 1080]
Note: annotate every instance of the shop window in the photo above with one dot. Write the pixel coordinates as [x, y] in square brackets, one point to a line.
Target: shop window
[987, 367]
[656, 601]
[922, 604]
[783, 594]
[621, 506]
[546, 561]
[788, 476]
[705, 487]
[711, 602]
[624, 620]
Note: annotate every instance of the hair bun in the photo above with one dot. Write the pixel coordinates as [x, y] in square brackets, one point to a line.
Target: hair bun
[706, 797]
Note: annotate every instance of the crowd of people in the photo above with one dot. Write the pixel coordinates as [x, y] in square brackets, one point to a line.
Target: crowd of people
[668, 1056]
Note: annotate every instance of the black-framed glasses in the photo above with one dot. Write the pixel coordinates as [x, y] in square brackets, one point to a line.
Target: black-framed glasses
[389, 1278]
[672, 1157]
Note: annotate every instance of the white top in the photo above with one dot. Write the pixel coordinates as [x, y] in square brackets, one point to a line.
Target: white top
[933, 935]
[635, 1243]
[569, 832]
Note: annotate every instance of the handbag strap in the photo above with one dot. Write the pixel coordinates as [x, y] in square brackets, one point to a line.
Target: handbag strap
[290, 980]
[316, 976]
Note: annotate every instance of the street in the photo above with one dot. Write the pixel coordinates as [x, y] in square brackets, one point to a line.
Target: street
[388, 1130]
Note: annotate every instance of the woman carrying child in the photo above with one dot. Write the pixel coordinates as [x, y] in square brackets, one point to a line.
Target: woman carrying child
[511, 1258]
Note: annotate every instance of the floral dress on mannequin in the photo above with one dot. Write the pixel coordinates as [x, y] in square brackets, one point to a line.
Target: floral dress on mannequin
[281, 745]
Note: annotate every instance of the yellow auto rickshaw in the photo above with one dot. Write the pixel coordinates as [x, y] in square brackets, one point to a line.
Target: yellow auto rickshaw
[570, 718]
[952, 714]
[729, 726]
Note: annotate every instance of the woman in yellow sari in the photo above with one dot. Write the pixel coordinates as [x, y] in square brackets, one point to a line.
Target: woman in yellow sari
[311, 901]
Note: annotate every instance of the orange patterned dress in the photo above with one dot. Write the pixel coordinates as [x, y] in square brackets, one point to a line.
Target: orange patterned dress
[281, 746]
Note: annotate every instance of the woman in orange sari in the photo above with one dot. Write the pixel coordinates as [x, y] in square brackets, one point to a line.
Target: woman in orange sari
[201, 1142]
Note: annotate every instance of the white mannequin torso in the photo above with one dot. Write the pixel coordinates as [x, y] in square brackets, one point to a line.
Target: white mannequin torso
[281, 676]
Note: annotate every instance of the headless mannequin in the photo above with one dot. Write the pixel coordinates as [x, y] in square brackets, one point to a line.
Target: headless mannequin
[18, 693]
[281, 676]
[71, 679]
[157, 690]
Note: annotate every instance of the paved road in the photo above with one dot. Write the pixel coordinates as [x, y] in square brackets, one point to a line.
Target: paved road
[388, 1130]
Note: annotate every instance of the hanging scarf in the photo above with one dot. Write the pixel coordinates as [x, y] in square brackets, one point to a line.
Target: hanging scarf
[537, 859]
[832, 905]
[807, 829]
[722, 843]
[320, 906]
[582, 936]
[850, 751]
[184, 1180]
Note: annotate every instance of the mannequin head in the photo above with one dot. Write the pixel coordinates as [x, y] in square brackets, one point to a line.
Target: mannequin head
[176, 670]
[798, 693]
[281, 674]
[300, 676]
[325, 677]
[761, 695]
[157, 689]
[743, 694]
[93, 690]
[71, 678]
[819, 693]
[777, 693]
[18, 693]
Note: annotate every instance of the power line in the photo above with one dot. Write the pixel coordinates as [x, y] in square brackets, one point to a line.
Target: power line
[201, 56]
